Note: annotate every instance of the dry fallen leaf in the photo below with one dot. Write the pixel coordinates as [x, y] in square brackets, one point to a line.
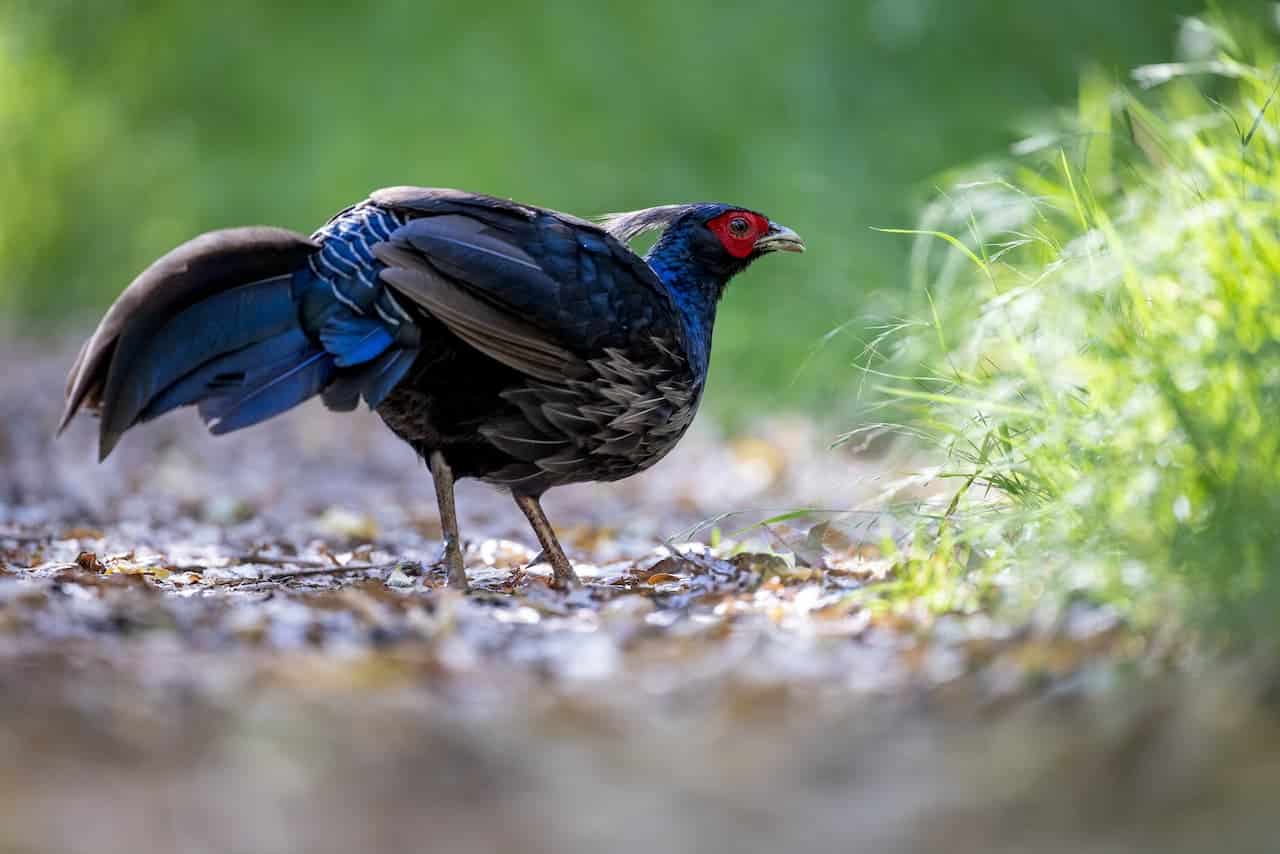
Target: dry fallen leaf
[89, 562]
[347, 525]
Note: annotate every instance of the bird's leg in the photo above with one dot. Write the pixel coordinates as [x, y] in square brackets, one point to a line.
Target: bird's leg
[563, 575]
[443, 477]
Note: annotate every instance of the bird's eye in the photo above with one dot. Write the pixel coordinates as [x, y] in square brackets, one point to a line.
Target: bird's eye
[739, 227]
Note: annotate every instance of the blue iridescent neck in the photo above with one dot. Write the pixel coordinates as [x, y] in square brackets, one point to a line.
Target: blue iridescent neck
[696, 293]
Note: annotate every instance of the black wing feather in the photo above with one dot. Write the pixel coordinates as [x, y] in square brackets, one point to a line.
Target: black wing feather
[534, 289]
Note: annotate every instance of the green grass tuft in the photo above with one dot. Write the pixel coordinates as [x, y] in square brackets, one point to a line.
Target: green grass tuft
[1100, 361]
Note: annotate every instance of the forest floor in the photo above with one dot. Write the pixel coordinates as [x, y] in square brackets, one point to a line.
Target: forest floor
[245, 644]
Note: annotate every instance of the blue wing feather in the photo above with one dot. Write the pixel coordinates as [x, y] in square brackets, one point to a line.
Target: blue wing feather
[355, 340]
[271, 389]
[319, 321]
[373, 382]
[232, 372]
[222, 323]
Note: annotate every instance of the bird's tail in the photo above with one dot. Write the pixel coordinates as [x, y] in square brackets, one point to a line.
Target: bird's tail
[214, 323]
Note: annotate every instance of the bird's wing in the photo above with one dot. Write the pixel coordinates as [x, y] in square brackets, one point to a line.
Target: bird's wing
[536, 290]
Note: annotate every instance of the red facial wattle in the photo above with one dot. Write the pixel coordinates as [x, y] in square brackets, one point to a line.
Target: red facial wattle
[738, 242]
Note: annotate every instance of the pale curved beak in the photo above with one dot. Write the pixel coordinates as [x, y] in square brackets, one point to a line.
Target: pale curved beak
[779, 238]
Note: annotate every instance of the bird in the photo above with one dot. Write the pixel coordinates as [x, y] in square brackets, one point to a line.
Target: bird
[515, 344]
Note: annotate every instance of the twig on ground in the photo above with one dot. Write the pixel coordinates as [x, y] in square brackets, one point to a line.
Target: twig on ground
[304, 568]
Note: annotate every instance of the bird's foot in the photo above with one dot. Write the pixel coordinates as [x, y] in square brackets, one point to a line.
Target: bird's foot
[562, 575]
[457, 572]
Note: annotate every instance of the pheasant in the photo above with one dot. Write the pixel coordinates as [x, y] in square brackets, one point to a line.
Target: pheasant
[506, 342]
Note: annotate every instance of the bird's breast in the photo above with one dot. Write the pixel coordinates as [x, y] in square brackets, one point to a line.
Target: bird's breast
[623, 414]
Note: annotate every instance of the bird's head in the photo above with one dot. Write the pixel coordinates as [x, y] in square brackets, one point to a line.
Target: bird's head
[709, 240]
[701, 247]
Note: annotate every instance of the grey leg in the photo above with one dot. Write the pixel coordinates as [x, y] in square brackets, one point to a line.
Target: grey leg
[563, 575]
[443, 478]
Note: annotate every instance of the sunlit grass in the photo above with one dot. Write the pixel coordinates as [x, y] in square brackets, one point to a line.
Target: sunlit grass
[1099, 350]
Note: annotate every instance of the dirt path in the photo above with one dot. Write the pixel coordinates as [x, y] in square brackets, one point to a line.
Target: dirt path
[243, 644]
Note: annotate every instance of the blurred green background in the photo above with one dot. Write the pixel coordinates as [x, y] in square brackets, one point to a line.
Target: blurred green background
[127, 127]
